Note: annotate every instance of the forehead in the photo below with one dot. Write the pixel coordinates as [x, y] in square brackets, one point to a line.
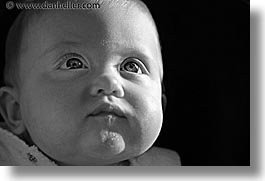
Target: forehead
[114, 25]
[112, 29]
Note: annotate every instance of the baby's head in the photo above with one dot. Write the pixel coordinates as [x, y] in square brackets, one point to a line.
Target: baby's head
[85, 84]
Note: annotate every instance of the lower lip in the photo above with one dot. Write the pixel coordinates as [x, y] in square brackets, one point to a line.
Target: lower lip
[108, 118]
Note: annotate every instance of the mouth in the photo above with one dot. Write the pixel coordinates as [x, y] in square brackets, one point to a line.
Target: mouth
[107, 110]
[109, 115]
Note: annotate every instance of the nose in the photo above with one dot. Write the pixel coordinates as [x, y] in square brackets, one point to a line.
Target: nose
[107, 84]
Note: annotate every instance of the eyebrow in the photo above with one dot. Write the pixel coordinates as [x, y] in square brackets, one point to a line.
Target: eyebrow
[137, 51]
[61, 44]
[122, 48]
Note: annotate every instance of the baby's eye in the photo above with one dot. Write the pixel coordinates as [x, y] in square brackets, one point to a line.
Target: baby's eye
[73, 61]
[132, 65]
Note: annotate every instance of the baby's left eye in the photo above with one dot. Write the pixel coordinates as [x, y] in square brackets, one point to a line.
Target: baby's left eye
[132, 65]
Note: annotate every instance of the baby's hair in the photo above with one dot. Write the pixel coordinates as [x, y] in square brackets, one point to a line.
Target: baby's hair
[14, 41]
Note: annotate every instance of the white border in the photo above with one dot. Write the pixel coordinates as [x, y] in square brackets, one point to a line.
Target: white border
[182, 173]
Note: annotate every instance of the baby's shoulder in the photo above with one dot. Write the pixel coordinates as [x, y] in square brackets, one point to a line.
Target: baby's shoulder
[158, 157]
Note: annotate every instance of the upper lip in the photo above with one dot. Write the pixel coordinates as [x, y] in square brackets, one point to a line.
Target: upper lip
[108, 109]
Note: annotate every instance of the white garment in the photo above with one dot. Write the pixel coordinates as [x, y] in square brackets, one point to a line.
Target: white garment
[15, 152]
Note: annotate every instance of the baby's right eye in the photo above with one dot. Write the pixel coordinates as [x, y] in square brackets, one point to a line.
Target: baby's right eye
[73, 61]
[133, 65]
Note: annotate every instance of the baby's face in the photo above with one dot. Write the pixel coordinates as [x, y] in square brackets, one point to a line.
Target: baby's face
[91, 85]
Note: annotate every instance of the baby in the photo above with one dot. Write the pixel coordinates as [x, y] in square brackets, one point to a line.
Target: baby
[83, 87]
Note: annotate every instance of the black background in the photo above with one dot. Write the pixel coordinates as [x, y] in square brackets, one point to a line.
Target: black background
[205, 47]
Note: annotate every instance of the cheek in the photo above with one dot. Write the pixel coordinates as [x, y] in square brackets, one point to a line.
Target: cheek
[146, 102]
[52, 114]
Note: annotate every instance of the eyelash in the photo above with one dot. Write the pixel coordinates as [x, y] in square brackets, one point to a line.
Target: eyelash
[69, 56]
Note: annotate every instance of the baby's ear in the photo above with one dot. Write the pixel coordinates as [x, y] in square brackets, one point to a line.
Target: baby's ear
[10, 110]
